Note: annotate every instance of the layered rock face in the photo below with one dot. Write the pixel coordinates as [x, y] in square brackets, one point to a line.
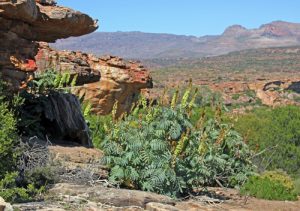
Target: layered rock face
[269, 92]
[22, 22]
[101, 81]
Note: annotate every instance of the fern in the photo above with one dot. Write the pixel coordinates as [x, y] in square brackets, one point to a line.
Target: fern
[157, 148]
[74, 80]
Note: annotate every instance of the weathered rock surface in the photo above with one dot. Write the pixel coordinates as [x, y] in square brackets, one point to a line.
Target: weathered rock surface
[98, 198]
[64, 119]
[272, 92]
[110, 196]
[80, 165]
[101, 80]
[22, 22]
[4, 206]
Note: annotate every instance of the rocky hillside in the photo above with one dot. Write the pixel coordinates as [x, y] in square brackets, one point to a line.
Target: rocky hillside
[238, 75]
[148, 45]
[277, 59]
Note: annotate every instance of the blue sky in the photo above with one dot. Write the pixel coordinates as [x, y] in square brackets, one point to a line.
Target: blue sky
[189, 17]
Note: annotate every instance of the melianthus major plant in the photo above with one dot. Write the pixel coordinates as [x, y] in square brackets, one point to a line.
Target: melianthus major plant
[156, 148]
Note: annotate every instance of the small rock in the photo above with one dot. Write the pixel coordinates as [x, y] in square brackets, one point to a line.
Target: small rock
[4, 206]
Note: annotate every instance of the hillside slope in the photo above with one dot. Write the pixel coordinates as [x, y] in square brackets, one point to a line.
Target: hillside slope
[245, 65]
[140, 45]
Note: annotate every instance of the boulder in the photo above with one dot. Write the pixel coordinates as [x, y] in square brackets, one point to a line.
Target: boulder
[63, 119]
[110, 196]
[101, 80]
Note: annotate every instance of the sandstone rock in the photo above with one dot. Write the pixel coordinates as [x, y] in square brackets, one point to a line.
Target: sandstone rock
[47, 2]
[22, 22]
[110, 196]
[78, 159]
[4, 206]
[102, 80]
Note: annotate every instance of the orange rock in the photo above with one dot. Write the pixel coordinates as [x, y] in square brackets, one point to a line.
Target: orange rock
[101, 80]
[23, 22]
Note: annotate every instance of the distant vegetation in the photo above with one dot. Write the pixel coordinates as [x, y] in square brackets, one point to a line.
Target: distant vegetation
[271, 186]
[275, 135]
[246, 65]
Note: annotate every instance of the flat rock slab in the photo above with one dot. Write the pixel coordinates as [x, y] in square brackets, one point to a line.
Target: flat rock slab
[110, 196]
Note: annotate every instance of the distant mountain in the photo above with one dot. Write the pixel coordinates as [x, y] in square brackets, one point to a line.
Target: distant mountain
[263, 60]
[139, 45]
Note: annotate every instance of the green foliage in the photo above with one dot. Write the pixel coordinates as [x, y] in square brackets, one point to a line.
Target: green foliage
[269, 187]
[36, 100]
[8, 139]
[8, 136]
[157, 148]
[98, 127]
[13, 186]
[275, 133]
[30, 115]
[236, 96]
[11, 192]
[52, 80]
[297, 186]
[280, 176]
[86, 109]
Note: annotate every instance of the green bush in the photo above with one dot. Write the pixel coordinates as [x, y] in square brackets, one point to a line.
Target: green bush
[280, 176]
[297, 186]
[156, 148]
[52, 80]
[16, 184]
[275, 133]
[12, 192]
[8, 135]
[266, 187]
[7, 139]
[98, 127]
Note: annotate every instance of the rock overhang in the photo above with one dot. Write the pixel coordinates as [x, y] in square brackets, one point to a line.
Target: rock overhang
[25, 22]
[44, 20]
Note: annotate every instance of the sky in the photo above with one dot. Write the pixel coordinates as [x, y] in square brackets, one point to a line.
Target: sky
[185, 17]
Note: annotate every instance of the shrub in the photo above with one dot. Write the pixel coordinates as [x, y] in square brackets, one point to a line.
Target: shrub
[52, 80]
[16, 184]
[98, 128]
[276, 133]
[280, 176]
[297, 186]
[7, 139]
[12, 192]
[269, 187]
[8, 136]
[157, 148]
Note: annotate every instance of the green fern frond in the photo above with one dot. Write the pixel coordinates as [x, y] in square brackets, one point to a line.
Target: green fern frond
[175, 98]
[74, 80]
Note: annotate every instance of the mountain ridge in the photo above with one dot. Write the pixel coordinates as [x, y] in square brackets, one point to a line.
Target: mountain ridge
[140, 45]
